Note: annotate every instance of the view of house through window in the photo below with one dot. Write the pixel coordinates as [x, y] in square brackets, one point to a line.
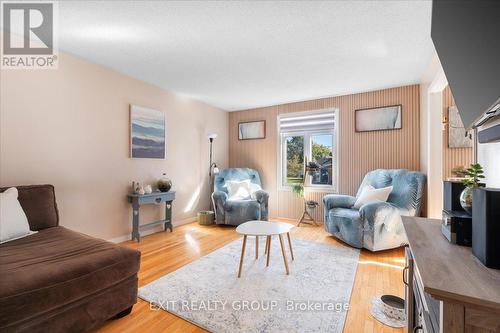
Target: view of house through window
[294, 159]
[322, 153]
[308, 137]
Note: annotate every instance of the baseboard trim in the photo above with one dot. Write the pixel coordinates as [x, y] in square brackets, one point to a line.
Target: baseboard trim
[176, 223]
[288, 219]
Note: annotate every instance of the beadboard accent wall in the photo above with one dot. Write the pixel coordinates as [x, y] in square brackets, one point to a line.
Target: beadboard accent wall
[358, 152]
[453, 157]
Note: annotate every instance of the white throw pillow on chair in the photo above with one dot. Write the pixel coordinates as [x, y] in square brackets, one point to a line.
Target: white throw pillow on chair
[13, 220]
[238, 190]
[371, 194]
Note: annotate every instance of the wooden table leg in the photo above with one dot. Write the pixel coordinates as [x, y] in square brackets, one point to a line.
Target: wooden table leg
[268, 250]
[284, 253]
[256, 247]
[301, 219]
[290, 245]
[242, 254]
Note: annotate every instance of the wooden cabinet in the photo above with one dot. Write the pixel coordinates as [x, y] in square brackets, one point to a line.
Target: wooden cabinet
[447, 288]
[479, 321]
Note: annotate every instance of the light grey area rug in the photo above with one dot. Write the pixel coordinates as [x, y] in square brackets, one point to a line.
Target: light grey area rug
[313, 298]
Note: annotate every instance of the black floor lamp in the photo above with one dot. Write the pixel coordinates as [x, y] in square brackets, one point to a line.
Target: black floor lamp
[212, 169]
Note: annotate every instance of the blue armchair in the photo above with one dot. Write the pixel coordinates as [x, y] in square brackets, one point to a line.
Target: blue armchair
[376, 225]
[235, 212]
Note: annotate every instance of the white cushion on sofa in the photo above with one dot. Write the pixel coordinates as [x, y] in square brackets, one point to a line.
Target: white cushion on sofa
[13, 220]
[371, 194]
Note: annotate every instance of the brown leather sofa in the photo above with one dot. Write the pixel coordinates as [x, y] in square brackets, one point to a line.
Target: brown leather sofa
[59, 280]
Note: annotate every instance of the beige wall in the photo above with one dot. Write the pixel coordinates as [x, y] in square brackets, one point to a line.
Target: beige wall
[453, 157]
[427, 161]
[433, 83]
[70, 127]
[358, 152]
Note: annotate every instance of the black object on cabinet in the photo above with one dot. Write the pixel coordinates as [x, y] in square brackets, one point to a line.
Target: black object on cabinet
[451, 194]
[457, 227]
[486, 226]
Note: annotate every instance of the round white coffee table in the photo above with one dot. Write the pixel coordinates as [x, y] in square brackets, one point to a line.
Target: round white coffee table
[268, 229]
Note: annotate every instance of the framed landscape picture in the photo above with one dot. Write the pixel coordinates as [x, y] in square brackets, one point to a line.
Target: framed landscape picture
[378, 119]
[147, 133]
[252, 130]
[457, 137]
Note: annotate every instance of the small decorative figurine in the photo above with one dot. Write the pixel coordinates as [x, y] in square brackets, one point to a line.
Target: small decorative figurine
[138, 189]
[148, 189]
[141, 191]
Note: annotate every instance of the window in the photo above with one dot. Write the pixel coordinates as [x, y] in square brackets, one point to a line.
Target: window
[322, 154]
[294, 158]
[308, 137]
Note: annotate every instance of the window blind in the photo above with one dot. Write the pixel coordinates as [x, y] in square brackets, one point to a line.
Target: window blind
[307, 122]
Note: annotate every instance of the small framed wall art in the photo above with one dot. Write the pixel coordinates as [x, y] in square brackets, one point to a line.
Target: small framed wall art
[147, 133]
[378, 119]
[457, 135]
[252, 130]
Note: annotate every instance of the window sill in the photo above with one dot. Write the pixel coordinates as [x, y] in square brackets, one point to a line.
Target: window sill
[322, 189]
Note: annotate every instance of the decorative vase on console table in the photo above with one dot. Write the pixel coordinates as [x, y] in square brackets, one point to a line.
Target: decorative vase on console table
[473, 174]
[164, 184]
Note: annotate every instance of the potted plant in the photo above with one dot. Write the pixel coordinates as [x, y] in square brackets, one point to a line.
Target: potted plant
[473, 176]
[310, 205]
[298, 189]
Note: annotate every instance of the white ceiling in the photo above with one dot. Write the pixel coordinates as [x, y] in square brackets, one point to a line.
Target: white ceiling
[240, 55]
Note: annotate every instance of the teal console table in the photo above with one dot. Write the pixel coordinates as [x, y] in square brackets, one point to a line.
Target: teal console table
[155, 198]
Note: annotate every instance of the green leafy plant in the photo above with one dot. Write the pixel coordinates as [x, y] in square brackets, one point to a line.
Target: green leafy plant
[473, 175]
[298, 189]
[312, 167]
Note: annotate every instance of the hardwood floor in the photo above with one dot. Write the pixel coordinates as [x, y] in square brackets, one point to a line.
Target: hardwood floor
[377, 273]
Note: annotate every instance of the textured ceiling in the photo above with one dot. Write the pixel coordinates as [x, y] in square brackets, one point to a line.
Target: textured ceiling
[240, 55]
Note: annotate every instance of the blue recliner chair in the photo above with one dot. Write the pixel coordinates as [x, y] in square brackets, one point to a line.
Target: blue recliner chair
[376, 225]
[235, 212]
